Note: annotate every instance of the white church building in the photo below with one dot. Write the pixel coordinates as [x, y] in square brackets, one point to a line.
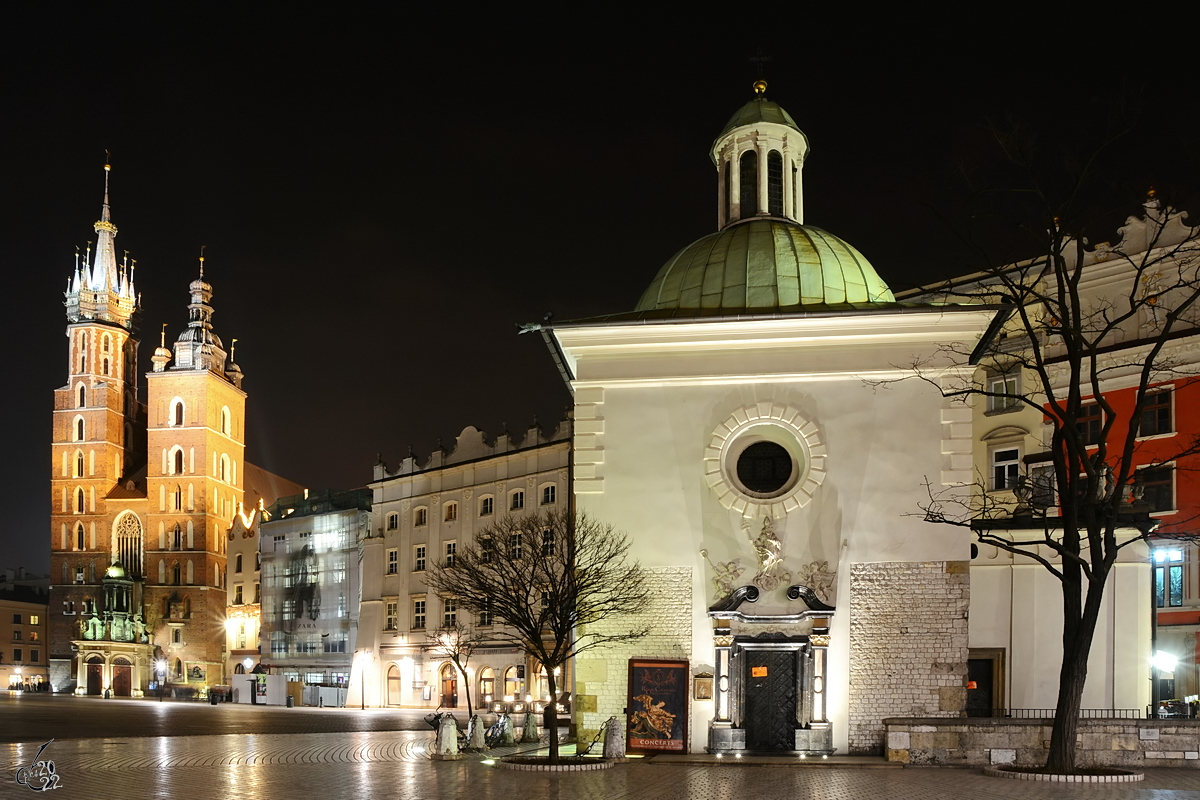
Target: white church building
[755, 425]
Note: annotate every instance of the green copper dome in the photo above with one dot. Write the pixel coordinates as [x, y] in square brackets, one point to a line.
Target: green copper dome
[765, 264]
[759, 109]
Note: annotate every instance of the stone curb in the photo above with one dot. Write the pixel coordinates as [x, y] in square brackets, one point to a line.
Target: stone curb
[584, 767]
[1127, 777]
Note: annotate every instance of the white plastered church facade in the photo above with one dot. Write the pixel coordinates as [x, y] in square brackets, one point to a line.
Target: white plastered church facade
[757, 428]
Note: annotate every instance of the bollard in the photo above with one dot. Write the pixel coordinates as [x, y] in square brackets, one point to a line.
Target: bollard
[614, 739]
[475, 739]
[447, 740]
[530, 734]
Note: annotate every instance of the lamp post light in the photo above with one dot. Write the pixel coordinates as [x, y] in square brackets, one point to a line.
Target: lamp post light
[160, 667]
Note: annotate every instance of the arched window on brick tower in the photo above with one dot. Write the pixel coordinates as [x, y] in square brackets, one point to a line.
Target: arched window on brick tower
[178, 466]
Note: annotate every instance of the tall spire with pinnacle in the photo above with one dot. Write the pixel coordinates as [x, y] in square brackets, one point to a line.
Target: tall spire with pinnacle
[97, 290]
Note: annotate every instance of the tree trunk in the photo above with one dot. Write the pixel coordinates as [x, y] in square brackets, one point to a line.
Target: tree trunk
[1077, 645]
[550, 715]
[466, 680]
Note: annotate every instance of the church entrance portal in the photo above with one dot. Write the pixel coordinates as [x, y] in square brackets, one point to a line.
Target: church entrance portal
[122, 674]
[769, 706]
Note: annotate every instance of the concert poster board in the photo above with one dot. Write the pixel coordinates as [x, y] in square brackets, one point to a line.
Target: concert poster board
[656, 719]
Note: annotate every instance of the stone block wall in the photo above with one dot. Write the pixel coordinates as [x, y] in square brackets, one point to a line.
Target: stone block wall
[1126, 743]
[908, 645]
[602, 675]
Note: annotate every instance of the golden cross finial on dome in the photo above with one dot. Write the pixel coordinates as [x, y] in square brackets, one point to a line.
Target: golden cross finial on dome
[202, 262]
[162, 338]
[759, 59]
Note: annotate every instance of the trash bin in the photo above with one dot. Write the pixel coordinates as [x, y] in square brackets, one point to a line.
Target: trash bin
[212, 698]
[291, 701]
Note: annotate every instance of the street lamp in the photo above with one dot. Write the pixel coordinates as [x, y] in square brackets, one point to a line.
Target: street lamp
[160, 667]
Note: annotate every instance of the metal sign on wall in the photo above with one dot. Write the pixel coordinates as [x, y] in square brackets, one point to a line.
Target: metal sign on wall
[657, 712]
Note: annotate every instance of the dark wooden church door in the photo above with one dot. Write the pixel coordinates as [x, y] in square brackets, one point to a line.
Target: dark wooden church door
[769, 715]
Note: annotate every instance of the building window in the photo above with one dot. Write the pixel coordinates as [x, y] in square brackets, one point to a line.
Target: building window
[775, 183]
[545, 599]
[177, 413]
[34, 656]
[34, 619]
[1158, 488]
[17, 621]
[279, 543]
[1003, 391]
[749, 184]
[237, 563]
[79, 429]
[1156, 415]
[79, 537]
[257, 593]
[18, 655]
[485, 614]
[393, 561]
[420, 516]
[1168, 578]
[451, 512]
[518, 501]
[393, 521]
[176, 574]
[419, 614]
[391, 617]
[514, 546]
[449, 613]
[1045, 488]
[419, 558]
[177, 635]
[485, 550]
[237, 594]
[1006, 464]
[1090, 422]
[549, 494]
[547, 543]
[451, 553]
[82, 397]
[725, 198]
[486, 505]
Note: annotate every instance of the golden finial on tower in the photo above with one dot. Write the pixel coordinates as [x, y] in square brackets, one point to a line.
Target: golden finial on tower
[760, 86]
[201, 261]
[1150, 192]
[162, 338]
[232, 349]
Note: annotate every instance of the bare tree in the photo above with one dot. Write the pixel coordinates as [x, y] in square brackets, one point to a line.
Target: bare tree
[1080, 327]
[458, 643]
[548, 580]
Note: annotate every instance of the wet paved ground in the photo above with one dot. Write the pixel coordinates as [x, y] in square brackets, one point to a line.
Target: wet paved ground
[361, 758]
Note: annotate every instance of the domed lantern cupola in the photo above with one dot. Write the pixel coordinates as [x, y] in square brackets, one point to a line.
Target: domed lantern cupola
[760, 160]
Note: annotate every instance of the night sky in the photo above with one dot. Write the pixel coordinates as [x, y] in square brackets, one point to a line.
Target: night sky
[385, 196]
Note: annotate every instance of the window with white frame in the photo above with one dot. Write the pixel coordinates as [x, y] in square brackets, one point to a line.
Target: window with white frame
[486, 547]
[1168, 577]
[549, 494]
[419, 613]
[390, 622]
[449, 612]
[420, 516]
[1044, 488]
[547, 543]
[393, 521]
[451, 553]
[514, 545]
[418, 558]
[1156, 414]
[486, 505]
[517, 501]
[450, 512]
[1158, 488]
[485, 614]
[393, 561]
[1004, 390]
[1006, 467]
